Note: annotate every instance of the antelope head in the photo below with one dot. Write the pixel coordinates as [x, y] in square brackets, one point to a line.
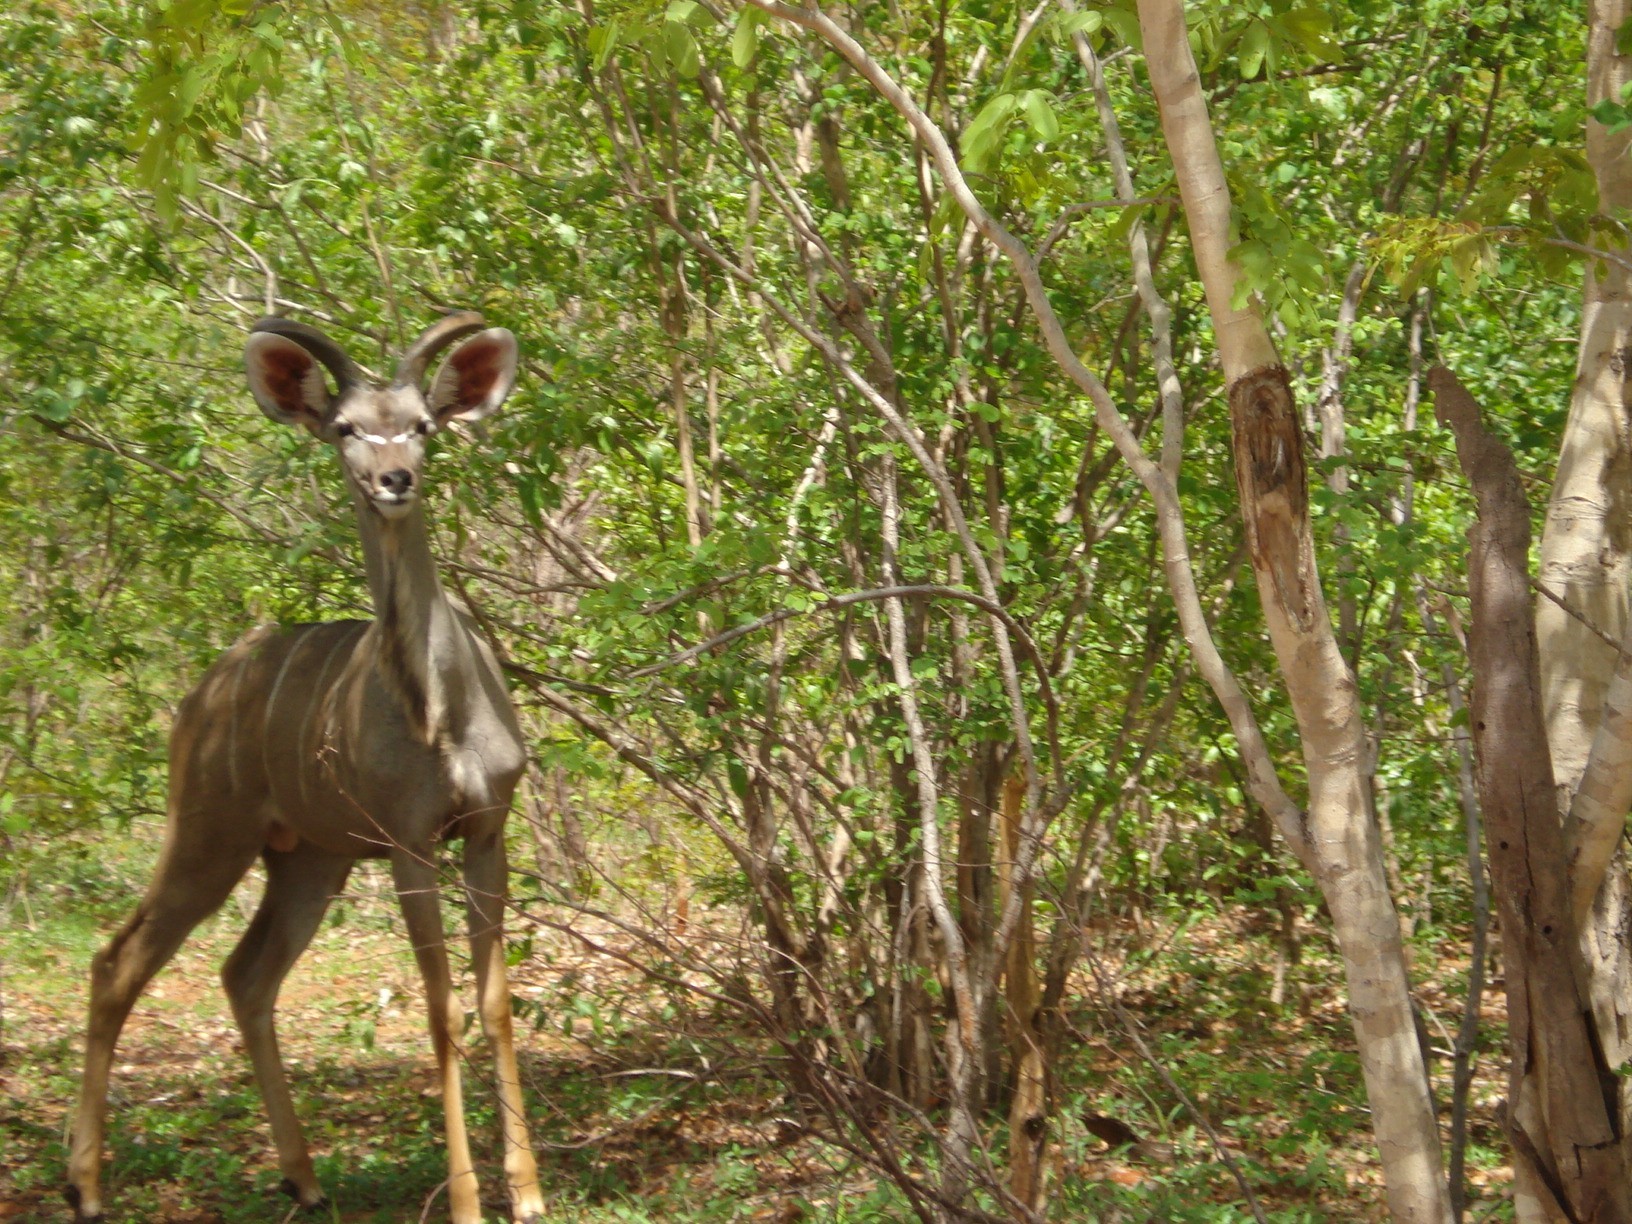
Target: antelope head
[380, 432]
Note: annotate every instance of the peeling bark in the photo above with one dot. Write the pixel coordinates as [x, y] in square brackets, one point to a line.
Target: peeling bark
[1561, 1093]
[1274, 486]
[1586, 561]
[1344, 849]
[1586, 548]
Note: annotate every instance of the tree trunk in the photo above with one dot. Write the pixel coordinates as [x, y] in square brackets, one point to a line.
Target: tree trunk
[1586, 547]
[1335, 837]
[1344, 849]
[1028, 1110]
[1586, 562]
[978, 802]
[1561, 1111]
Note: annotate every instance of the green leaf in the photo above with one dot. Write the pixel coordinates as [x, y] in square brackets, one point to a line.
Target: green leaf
[1124, 23]
[681, 49]
[1612, 115]
[191, 85]
[1040, 114]
[603, 41]
[985, 132]
[1310, 29]
[53, 407]
[1128, 216]
[946, 211]
[738, 777]
[1088, 21]
[1254, 47]
[745, 38]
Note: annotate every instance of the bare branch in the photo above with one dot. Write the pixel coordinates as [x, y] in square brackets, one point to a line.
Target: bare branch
[1261, 774]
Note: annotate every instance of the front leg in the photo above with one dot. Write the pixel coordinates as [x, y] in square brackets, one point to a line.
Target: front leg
[414, 870]
[486, 882]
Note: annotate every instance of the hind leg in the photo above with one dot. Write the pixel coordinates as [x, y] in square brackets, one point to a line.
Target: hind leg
[486, 879]
[414, 871]
[299, 885]
[190, 884]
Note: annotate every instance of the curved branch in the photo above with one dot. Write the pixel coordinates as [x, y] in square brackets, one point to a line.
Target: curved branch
[929, 590]
[1266, 785]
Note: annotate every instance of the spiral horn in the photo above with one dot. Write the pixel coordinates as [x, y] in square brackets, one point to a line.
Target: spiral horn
[411, 369]
[345, 371]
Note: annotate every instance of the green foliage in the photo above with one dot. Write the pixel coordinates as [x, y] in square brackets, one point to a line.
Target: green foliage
[163, 172]
[207, 59]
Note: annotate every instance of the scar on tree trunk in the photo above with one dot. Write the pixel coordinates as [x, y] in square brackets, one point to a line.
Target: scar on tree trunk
[1274, 484]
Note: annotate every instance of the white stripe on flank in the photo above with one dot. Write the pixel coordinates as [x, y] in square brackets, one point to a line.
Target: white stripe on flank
[271, 703]
[232, 722]
[319, 691]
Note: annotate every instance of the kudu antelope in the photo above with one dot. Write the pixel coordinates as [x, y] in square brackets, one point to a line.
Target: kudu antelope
[317, 745]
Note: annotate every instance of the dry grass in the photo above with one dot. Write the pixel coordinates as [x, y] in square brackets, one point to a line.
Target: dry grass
[650, 1105]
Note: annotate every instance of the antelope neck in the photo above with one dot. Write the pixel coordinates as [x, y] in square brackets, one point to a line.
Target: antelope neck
[416, 633]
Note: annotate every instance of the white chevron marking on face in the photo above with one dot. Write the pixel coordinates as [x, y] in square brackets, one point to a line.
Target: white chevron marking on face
[377, 440]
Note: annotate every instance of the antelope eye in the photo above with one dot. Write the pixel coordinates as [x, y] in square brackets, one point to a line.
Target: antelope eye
[345, 429]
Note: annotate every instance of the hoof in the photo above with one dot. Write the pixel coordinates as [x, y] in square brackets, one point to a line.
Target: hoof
[71, 1193]
[320, 1203]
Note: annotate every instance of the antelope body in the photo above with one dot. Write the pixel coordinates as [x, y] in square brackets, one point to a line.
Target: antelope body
[314, 746]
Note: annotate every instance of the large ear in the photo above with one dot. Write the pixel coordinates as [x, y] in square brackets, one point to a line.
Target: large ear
[475, 378]
[287, 381]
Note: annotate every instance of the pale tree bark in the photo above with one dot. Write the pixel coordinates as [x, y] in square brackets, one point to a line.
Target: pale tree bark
[1600, 804]
[1334, 839]
[1569, 1159]
[962, 1135]
[1586, 565]
[1346, 850]
[1261, 776]
[1586, 547]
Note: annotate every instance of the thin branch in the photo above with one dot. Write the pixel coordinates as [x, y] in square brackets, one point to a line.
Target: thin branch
[269, 294]
[1255, 752]
[125, 453]
[831, 603]
[1547, 593]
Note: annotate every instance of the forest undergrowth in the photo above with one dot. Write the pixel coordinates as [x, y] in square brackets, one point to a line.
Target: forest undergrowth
[650, 1102]
[966, 486]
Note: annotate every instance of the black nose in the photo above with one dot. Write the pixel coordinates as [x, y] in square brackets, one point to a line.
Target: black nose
[399, 481]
